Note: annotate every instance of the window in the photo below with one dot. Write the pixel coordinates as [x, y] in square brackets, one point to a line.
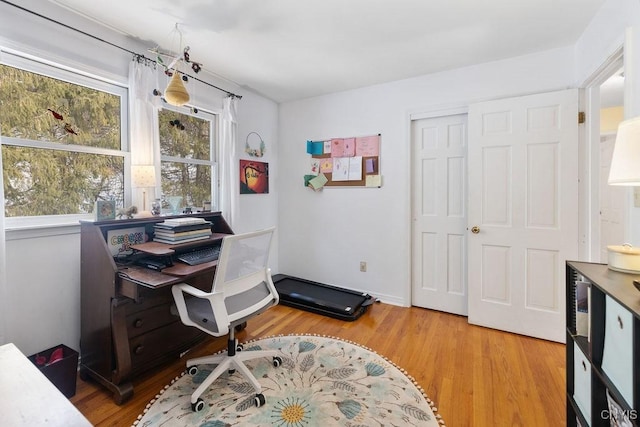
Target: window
[63, 144]
[188, 167]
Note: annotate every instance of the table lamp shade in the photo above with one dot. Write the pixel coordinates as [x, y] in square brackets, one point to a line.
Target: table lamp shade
[625, 163]
[143, 176]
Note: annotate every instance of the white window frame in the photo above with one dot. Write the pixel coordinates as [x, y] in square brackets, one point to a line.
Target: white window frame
[14, 59]
[214, 138]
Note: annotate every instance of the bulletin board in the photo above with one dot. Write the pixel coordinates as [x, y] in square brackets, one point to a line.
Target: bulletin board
[345, 162]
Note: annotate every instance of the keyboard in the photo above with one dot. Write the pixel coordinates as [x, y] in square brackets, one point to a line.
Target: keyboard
[200, 256]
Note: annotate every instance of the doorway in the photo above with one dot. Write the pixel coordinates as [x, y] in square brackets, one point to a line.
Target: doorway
[608, 206]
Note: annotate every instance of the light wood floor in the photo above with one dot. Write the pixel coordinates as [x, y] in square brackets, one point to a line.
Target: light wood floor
[476, 376]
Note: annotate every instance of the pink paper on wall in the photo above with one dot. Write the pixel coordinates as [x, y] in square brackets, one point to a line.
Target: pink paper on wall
[368, 146]
[326, 165]
[343, 147]
[337, 147]
[349, 147]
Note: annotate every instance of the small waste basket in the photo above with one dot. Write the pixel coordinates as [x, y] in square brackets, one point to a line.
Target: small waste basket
[60, 365]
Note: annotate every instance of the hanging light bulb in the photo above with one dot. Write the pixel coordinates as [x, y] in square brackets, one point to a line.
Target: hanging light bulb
[175, 93]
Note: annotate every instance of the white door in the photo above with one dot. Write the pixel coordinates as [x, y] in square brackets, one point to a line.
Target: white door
[439, 150]
[523, 199]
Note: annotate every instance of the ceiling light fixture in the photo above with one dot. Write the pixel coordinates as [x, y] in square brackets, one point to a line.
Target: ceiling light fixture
[175, 93]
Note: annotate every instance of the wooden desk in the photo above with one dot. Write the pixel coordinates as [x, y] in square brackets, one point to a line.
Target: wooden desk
[127, 325]
[29, 398]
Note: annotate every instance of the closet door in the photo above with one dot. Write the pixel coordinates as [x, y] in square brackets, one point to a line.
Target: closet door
[523, 211]
[439, 212]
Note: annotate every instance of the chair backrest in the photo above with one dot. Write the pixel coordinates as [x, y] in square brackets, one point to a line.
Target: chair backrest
[243, 273]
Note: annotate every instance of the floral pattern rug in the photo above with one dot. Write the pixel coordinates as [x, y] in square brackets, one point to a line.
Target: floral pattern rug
[323, 381]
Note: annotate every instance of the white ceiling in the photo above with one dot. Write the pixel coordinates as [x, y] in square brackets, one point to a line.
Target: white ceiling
[293, 49]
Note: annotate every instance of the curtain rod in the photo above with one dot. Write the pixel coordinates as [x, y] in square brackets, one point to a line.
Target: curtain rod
[113, 45]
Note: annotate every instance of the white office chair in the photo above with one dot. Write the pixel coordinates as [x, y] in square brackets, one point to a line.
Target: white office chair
[242, 288]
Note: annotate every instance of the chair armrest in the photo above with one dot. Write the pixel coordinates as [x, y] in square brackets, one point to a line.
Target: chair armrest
[272, 287]
[216, 299]
[188, 289]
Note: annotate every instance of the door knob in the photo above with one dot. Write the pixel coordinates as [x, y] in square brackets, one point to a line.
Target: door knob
[475, 229]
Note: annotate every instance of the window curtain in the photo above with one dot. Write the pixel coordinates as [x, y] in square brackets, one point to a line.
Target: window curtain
[229, 181]
[3, 258]
[143, 122]
[3, 254]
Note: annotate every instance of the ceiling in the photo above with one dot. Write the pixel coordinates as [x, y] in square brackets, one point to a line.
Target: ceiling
[294, 49]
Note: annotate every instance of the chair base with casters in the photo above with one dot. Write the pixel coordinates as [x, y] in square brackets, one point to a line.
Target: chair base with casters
[231, 361]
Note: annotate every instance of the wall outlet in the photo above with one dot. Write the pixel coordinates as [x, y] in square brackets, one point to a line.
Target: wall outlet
[363, 266]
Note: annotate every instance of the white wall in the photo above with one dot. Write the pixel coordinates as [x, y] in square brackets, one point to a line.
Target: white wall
[43, 290]
[256, 211]
[324, 235]
[42, 304]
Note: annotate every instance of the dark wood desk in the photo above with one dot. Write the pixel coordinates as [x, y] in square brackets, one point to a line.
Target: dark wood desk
[127, 324]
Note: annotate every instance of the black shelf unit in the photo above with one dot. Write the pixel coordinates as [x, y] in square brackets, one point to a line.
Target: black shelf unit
[617, 287]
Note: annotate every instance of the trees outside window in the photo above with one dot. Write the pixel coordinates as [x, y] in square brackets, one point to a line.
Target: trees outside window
[188, 167]
[63, 145]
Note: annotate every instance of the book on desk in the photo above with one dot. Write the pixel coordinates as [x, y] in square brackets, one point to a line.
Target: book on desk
[182, 230]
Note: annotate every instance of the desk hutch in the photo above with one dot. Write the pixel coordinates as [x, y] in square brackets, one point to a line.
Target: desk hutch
[127, 325]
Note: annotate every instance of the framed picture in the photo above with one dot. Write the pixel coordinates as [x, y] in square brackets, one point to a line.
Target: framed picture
[104, 209]
[254, 177]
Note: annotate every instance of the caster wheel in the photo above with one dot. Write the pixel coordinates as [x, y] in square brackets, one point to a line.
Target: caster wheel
[193, 370]
[259, 400]
[277, 361]
[239, 347]
[198, 406]
[231, 371]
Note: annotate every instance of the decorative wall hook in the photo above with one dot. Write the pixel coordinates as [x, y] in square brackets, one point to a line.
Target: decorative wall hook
[254, 152]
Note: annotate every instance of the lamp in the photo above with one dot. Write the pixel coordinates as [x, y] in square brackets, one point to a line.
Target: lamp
[143, 176]
[625, 163]
[175, 93]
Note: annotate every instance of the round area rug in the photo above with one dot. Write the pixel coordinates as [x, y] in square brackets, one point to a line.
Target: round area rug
[322, 381]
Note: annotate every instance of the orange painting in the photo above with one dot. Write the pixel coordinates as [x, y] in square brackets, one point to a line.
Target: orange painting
[254, 177]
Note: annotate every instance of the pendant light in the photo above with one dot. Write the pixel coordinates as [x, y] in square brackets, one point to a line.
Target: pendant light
[175, 93]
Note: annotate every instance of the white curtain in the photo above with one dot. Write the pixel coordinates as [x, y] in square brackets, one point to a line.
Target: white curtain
[3, 255]
[143, 122]
[3, 258]
[229, 181]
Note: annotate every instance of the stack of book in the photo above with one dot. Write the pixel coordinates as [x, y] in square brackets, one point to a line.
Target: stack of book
[182, 230]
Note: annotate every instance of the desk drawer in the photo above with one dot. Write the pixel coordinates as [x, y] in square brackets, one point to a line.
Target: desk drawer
[148, 298]
[165, 342]
[142, 321]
